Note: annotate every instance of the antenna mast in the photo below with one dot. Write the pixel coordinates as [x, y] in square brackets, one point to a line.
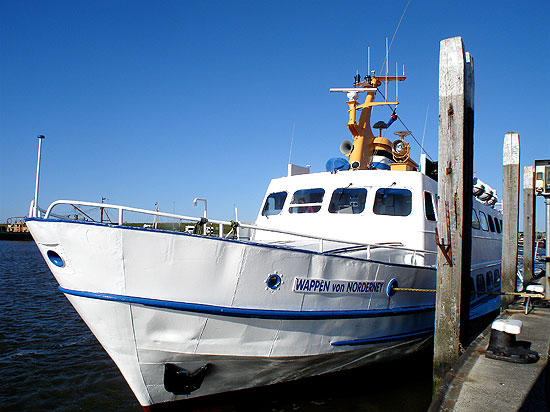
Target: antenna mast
[386, 82]
[396, 82]
[424, 133]
[368, 61]
[291, 141]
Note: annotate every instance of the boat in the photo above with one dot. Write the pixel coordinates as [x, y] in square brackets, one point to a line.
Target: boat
[311, 288]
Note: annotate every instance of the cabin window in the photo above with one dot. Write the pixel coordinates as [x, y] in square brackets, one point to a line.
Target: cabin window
[429, 206]
[483, 221]
[307, 201]
[480, 284]
[471, 288]
[475, 220]
[393, 202]
[496, 279]
[489, 280]
[274, 204]
[350, 201]
[491, 224]
[497, 226]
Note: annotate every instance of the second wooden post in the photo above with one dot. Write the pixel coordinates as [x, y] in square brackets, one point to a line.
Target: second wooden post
[510, 207]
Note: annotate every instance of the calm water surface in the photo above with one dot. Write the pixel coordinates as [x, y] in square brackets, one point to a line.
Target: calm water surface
[50, 361]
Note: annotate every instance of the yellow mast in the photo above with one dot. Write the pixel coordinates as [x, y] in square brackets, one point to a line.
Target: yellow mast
[360, 156]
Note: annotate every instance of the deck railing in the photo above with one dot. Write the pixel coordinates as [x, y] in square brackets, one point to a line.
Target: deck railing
[222, 223]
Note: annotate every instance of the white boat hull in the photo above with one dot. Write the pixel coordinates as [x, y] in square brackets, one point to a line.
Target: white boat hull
[219, 310]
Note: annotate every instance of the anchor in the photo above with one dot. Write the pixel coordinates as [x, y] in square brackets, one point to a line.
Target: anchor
[180, 381]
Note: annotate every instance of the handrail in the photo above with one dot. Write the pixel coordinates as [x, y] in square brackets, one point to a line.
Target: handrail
[127, 208]
[328, 239]
[222, 222]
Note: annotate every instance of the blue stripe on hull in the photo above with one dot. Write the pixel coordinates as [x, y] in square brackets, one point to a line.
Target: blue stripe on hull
[251, 313]
[380, 339]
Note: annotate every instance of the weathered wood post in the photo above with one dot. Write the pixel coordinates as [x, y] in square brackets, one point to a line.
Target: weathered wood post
[528, 222]
[510, 205]
[455, 180]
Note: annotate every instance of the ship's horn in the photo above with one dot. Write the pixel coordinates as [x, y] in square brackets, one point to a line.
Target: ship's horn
[346, 147]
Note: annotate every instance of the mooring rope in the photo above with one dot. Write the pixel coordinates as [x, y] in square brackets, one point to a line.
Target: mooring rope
[522, 294]
[414, 290]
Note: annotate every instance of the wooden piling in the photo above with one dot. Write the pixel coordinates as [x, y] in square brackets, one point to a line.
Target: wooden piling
[528, 222]
[455, 179]
[510, 205]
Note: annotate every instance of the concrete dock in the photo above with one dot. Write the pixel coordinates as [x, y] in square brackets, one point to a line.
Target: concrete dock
[477, 383]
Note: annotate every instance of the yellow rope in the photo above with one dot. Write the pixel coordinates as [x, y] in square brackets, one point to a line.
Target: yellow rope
[414, 290]
[522, 294]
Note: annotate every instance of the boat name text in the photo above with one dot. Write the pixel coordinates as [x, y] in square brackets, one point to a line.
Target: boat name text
[303, 285]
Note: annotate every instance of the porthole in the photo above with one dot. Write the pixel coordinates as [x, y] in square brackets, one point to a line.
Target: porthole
[390, 291]
[273, 281]
[55, 258]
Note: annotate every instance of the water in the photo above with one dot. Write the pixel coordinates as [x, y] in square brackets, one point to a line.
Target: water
[50, 361]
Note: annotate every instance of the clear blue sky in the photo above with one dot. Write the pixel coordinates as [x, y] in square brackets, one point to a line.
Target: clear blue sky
[145, 102]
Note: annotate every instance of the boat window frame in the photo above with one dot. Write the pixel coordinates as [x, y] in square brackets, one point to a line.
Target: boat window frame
[495, 277]
[489, 280]
[283, 205]
[497, 225]
[351, 207]
[480, 290]
[486, 228]
[472, 288]
[491, 223]
[475, 222]
[308, 207]
[431, 202]
[390, 190]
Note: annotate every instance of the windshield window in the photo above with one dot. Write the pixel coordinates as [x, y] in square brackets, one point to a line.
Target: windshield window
[307, 201]
[393, 202]
[350, 201]
[274, 204]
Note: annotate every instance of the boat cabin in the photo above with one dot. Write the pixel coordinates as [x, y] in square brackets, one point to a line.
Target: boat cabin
[366, 206]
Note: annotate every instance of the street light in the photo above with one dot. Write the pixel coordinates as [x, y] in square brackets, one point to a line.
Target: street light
[200, 199]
